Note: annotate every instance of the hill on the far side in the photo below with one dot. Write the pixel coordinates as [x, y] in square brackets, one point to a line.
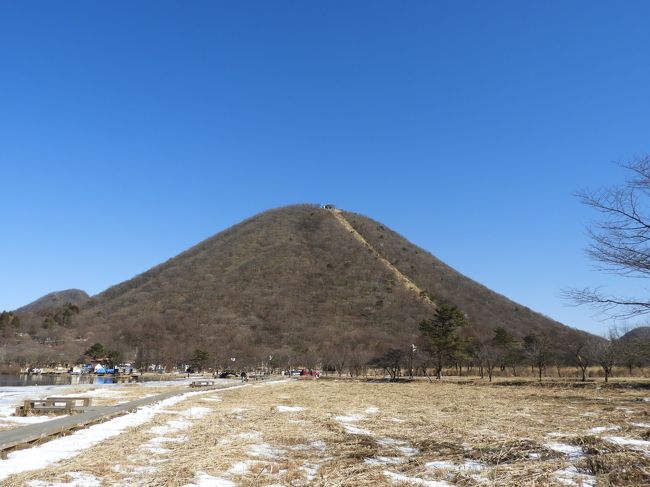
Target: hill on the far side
[55, 300]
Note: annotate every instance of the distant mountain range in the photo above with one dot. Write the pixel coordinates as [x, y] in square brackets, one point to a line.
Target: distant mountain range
[298, 281]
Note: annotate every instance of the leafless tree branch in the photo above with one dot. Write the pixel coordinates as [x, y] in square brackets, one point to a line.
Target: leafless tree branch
[620, 240]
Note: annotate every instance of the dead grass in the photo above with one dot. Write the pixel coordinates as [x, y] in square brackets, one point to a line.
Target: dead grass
[508, 431]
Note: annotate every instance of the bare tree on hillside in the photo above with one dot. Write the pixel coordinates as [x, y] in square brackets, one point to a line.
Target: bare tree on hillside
[539, 350]
[620, 240]
[582, 357]
[606, 353]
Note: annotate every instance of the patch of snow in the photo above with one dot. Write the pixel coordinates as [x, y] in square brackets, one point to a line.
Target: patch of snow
[264, 450]
[408, 451]
[239, 468]
[353, 430]
[79, 479]
[620, 440]
[29, 419]
[571, 451]
[396, 420]
[211, 399]
[202, 479]
[469, 465]
[390, 442]
[12, 396]
[289, 409]
[641, 425]
[571, 476]
[71, 445]
[171, 426]
[162, 439]
[100, 392]
[156, 449]
[372, 410]
[250, 435]
[168, 411]
[318, 445]
[310, 469]
[601, 429]
[384, 460]
[350, 418]
[196, 412]
[398, 477]
[238, 410]
[139, 469]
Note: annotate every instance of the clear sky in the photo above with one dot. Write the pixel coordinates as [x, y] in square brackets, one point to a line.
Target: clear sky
[130, 131]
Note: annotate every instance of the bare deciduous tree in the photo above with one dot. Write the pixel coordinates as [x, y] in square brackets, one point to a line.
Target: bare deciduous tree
[606, 353]
[620, 240]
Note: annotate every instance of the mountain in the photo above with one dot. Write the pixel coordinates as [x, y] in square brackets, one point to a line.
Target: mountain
[640, 333]
[299, 281]
[55, 300]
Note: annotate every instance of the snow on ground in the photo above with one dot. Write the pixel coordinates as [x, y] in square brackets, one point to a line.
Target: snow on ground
[602, 429]
[350, 418]
[10, 397]
[69, 446]
[196, 412]
[400, 478]
[264, 450]
[108, 390]
[380, 460]
[372, 410]
[570, 451]
[620, 440]
[202, 479]
[240, 468]
[250, 435]
[310, 469]
[211, 399]
[571, 476]
[353, 430]
[29, 419]
[78, 479]
[289, 409]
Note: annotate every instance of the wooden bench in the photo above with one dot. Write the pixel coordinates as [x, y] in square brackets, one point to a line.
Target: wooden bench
[85, 401]
[53, 405]
[203, 383]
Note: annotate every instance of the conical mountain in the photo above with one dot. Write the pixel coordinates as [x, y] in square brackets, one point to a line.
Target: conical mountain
[298, 280]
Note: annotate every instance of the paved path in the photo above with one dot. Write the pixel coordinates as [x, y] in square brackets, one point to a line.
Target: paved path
[27, 434]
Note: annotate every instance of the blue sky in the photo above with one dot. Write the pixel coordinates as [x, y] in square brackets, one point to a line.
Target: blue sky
[132, 130]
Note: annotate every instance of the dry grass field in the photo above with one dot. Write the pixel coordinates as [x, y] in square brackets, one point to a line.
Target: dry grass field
[355, 433]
